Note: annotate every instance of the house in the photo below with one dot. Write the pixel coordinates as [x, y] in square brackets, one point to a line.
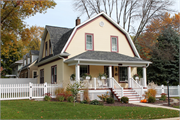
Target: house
[16, 66]
[98, 45]
[29, 70]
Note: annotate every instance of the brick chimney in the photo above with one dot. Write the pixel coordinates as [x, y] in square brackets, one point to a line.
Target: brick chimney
[78, 21]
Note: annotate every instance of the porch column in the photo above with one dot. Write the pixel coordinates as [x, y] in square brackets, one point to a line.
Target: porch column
[77, 73]
[110, 71]
[129, 77]
[144, 78]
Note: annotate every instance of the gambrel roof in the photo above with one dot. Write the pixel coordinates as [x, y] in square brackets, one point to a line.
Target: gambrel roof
[61, 37]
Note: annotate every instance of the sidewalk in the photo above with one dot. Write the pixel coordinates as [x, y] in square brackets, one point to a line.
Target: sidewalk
[158, 106]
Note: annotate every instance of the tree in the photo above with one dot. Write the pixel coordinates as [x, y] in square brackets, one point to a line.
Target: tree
[148, 38]
[126, 10]
[13, 27]
[165, 58]
[33, 36]
[74, 88]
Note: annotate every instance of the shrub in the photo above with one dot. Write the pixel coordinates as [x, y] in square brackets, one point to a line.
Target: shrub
[163, 97]
[94, 102]
[151, 99]
[84, 102]
[104, 97]
[70, 99]
[125, 99]
[61, 98]
[86, 95]
[110, 100]
[150, 92]
[47, 97]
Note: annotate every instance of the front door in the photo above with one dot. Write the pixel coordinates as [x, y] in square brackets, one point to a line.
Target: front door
[123, 74]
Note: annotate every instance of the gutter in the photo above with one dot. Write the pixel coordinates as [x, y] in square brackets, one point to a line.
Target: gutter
[109, 61]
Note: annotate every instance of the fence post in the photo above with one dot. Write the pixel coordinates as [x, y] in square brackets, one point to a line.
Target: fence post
[30, 90]
[162, 86]
[45, 88]
[95, 83]
[178, 91]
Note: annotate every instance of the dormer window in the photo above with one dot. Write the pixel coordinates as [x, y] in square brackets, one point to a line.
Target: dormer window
[50, 47]
[114, 44]
[89, 41]
[46, 49]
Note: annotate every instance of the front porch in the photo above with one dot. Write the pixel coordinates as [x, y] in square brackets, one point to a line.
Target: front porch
[119, 68]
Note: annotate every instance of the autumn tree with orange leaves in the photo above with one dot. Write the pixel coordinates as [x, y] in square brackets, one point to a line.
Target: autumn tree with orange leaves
[13, 28]
[148, 39]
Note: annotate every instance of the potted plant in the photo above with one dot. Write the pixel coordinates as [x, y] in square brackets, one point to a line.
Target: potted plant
[102, 76]
[72, 77]
[86, 76]
[136, 77]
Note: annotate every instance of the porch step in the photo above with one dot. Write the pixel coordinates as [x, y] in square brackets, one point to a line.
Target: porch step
[130, 93]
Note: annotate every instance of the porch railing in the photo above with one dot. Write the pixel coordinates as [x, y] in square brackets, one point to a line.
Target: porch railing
[94, 83]
[137, 87]
[116, 87]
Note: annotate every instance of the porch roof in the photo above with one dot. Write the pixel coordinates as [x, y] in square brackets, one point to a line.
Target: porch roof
[102, 56]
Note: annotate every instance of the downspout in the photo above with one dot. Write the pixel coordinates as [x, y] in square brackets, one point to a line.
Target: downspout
[147, 65]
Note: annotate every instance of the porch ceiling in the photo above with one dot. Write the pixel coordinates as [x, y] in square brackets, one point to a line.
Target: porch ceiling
[106, 58]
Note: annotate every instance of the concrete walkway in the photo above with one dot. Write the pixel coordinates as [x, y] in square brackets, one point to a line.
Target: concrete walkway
[158, 106]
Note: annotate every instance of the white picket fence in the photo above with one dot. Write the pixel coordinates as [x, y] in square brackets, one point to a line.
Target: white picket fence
[27, 91]
[174, 91]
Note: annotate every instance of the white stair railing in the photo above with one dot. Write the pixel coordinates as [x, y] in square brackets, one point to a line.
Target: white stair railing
[116, 87]
[136, 87]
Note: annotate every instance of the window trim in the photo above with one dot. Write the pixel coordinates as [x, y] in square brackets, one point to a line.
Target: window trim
[50, 52]
[46, 49]
[117, 43]
[33, 73]
[92, 41]
[40, 76]
[56, 73]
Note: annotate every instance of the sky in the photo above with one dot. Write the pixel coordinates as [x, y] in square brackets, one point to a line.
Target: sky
[64, 15]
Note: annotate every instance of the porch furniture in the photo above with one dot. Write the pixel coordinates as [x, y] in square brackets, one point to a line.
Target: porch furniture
[100, 84]
[105, 83]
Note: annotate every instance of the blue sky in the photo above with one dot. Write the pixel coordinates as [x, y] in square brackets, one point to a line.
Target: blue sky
[64, 15]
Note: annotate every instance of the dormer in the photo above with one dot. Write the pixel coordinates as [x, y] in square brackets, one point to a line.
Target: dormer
[27, 58]
[24, 60]
[34, 54]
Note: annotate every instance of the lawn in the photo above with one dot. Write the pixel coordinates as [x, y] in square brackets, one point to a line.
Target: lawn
[26, 109]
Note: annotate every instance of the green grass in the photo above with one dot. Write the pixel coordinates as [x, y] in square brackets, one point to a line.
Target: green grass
[176, 107]
[26, 109]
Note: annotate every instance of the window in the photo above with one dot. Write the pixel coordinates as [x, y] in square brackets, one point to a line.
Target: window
[114, 44]
[84, 69]
[46, 50]
[34, 74]
[123, 74]
[41, 76]
[49, 47]
[26, 74]
[54, 74]
[89, 42]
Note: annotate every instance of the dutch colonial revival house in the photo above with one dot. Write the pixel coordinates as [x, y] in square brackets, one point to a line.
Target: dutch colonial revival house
[98, 45]
[29, 70]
